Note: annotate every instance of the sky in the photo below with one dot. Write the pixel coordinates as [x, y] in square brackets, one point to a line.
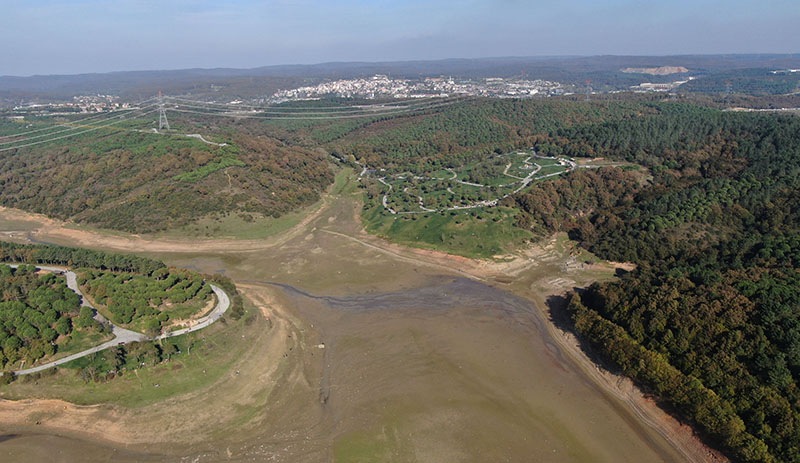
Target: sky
[81, 36]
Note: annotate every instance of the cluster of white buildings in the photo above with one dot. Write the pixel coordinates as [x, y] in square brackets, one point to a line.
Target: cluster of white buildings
[499, 87]
[377, 86]
[98, 102]
[659, 87]
[79, 104]
[381, 86]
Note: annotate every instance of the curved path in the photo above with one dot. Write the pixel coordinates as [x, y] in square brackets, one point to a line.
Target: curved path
[223, 302]
[122, 335]
[524, 182]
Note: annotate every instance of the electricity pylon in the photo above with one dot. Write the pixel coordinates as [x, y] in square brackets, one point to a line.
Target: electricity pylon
[163, 123]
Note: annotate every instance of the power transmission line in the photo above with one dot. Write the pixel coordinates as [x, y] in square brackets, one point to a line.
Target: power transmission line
[92, 129]
[310, 115]
[72, 126]
[112, 118]
[96, 116]
[338, 108]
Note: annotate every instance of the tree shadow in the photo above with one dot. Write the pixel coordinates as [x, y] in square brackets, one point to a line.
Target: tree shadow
[557, 309]
[559, 316]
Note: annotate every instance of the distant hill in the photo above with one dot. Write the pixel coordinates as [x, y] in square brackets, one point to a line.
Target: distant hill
[604, 72]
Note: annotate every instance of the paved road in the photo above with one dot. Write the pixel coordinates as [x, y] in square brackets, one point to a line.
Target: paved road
[121, 335]
[223, 302]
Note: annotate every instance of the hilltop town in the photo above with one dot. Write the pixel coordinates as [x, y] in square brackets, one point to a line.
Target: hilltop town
[382, 86]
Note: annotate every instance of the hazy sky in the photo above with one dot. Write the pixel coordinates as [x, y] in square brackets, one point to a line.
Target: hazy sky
[76, 36]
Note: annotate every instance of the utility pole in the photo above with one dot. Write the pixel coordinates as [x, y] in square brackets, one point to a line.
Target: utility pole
[163, 123]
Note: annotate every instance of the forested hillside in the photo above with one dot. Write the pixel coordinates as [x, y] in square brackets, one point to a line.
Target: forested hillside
[469, 130]
[709, 320]
[144, 182]
[457, 138]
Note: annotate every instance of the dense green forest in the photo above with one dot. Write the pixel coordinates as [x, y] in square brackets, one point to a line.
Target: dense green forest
[146, 303]
[709, 320]
[465, 132]
[77, 257]
[38, 315]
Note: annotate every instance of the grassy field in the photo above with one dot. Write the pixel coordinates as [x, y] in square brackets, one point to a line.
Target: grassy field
[79, 341]
[481, 233]
[454, 210]
[18, 225]
[239, 226]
